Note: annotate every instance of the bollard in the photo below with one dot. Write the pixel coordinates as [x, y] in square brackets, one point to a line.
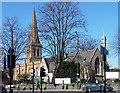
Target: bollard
[87, 90]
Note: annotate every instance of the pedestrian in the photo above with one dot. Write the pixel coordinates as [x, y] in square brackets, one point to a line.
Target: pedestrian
[18, 88]
[67, 86]
[80, 86]
[63, 84]
[38, 85]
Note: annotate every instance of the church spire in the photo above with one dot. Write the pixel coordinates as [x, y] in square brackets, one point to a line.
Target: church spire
[33, 37]
[104, 33]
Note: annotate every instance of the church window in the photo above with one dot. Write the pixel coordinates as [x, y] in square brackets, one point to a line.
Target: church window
[34, 51]
[36, 40]
[97, 65]
[38, 52]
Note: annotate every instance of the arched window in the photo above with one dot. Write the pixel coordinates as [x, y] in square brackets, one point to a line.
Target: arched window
[34, 51]
[97, 65]
[38, 52]
[36, 40]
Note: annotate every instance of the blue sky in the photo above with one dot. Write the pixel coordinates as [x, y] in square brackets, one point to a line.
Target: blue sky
[100, 15]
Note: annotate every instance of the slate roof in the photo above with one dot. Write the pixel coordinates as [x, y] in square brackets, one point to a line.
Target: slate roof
[50, 63]
[84, 54]
[70, 56]
[87, 55]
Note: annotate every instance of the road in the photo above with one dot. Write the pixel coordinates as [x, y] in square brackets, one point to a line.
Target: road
[59, 91]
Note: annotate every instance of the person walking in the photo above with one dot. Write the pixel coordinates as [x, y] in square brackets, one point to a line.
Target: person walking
[18, 87]
[63, 84]
[38, 85]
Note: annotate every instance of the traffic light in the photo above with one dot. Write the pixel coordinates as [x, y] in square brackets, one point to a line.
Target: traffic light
[42, 72]
[12, 60]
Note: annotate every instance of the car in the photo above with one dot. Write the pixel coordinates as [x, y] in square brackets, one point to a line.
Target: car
[95, 87]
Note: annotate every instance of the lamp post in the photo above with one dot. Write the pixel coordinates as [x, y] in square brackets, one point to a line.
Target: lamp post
[77, 57]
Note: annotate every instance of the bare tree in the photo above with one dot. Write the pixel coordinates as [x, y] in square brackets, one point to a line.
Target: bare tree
[115, 44]
[57, 23]
[14, 36]
[85, 43]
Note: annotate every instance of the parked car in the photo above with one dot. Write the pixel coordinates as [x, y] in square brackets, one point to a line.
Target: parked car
[95, 87]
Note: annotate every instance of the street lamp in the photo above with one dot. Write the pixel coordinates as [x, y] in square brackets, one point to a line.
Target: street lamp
[77, 56]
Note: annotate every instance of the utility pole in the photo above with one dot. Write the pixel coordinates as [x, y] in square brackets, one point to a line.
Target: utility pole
[77, 57]
[4, 68]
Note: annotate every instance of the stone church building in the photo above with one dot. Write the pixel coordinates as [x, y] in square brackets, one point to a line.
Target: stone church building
[34, 58]
[34, 55]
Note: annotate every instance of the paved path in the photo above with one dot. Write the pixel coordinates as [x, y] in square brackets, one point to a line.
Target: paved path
[59, 91]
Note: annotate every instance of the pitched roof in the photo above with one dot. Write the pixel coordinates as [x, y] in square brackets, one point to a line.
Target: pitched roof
[71, 55]
[87, 55]
[50, 63]
[84, 54]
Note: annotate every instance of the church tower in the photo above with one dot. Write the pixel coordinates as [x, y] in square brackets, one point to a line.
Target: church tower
[33, 47]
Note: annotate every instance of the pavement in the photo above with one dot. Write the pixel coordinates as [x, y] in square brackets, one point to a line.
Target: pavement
[57, 91]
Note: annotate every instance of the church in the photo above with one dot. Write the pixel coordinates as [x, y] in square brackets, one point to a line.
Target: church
[91, 58]
[34, 56]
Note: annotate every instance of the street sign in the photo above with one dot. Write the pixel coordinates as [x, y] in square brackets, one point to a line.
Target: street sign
[37, 78]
